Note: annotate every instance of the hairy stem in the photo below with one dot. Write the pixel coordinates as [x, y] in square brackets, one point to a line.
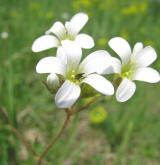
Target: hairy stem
[54, 140]
[87, 105]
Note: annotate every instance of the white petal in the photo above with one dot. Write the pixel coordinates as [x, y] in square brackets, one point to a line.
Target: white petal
[76, 23]
[58, 29]
[121, 47]
[125, 90]
[115, 66]
[67, 95]
[137, 48]
[61, 55]
[50, 65]
[73, 53]
[44, 42]
[147, 74]
[52, 81]
[85, 41]
[146, 56]
[100, 84]
[96, 62]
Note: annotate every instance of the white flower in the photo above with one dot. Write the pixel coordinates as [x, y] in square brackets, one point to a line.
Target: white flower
[59, 32]
[67, 64]
[4, 35]
[133, 66]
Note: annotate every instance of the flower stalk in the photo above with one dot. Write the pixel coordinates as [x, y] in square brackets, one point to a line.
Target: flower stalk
[54, 140]
[87, 105]
[69, 113]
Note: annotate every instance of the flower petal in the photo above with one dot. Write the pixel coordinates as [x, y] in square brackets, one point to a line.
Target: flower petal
[58, 29]
[44, 42]
[73, 53]
[85, 41]
[125, 90]
[137, 48]
[121, 47]
[76, 23]
[115, 66]
[96, 62]
[147, 74]
[100, 84]
[67, 94]
[61, 55]
[146, 56]
[50, 65]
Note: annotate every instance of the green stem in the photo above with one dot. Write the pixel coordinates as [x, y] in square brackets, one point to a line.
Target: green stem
[87, 105]
[54, 140]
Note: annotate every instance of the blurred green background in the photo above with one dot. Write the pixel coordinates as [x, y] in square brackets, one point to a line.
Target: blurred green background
[122, 134]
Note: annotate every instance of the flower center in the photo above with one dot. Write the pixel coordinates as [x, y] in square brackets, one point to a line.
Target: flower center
[75, 77]
[128, 70]
[67, 36]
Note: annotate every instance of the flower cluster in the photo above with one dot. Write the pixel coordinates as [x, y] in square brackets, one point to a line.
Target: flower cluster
[67, 72]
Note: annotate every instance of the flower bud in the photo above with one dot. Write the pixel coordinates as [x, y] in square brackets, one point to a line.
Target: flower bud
[52, 82]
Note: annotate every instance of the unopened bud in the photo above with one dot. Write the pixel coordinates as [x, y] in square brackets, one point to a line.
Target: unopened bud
[52, 82]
